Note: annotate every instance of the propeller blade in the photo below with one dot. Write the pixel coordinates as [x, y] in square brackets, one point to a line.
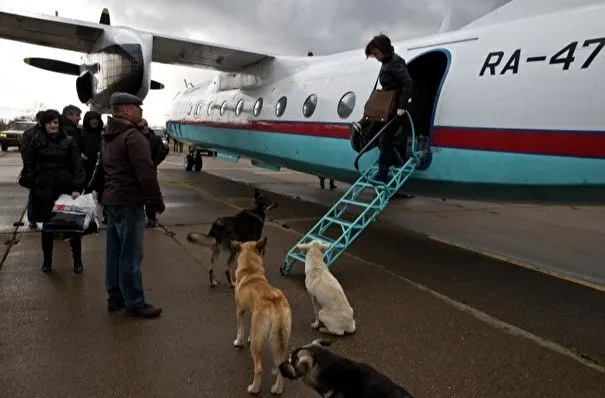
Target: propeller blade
[156, 85]
[54, 65]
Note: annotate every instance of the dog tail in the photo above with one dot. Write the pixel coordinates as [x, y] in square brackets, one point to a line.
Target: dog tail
[280, 339]
[201, 239]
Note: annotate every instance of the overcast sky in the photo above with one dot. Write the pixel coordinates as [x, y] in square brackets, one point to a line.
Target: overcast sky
[276, 26]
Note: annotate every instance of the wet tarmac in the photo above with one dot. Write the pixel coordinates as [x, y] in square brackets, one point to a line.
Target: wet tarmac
[560, 240]
[437, 319]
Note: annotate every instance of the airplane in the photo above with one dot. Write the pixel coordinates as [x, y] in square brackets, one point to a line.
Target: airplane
[507, 108]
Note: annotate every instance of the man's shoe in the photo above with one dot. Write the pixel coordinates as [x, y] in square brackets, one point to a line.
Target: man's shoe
[46, 267]
[147, 311]
[115, 304]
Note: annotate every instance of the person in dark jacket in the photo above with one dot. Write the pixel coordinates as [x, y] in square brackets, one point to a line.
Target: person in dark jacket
[25, 140]
[53, 166]
[158, 154]
[130, 183]
[92, 126]
[393, 75]
[70, 118]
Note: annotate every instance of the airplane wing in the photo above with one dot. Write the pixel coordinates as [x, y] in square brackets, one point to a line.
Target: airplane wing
[51, 31]
[178, 51]
[74, 35]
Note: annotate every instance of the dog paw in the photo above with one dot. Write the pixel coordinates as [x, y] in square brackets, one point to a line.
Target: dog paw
[276, 389]
[333, 332]
[237, 343]
[315, 325]
[253, 390]
[213, 284]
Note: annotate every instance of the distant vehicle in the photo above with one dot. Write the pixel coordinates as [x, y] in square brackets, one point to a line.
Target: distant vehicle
[12, 135]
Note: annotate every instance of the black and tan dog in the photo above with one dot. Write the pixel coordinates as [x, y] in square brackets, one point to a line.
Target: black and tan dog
[245, 226]
[332, 375]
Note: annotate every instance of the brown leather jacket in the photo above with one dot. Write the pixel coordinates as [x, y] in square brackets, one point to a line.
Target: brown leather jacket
[130, 177]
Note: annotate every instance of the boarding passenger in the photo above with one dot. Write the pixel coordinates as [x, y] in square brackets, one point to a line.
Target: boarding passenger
[158, 154]
[393, 75]
[92, 127]
[53, 166]
[130, 183]
[25, 140]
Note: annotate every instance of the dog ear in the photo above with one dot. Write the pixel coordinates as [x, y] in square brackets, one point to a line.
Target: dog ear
[287, 370]
[236, 245]
[303, 246]
[260, 244]
[322, 342]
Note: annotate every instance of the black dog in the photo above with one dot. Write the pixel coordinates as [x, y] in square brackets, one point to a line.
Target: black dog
[337, 377]
[245, 226]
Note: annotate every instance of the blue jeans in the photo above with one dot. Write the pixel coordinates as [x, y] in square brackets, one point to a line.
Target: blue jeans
[30, 207]
[124, 252]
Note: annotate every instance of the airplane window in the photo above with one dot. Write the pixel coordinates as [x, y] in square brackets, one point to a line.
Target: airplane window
[198, 108]
[258, 105]
[223, 107]
[309, 105]
[209, 108]
[239, 107]
[346, 105]
[280, 106]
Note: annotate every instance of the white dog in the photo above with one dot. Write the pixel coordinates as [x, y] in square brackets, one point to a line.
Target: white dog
[330, 304]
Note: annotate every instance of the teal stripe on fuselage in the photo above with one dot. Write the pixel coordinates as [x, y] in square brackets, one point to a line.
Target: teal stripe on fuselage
[335, 157]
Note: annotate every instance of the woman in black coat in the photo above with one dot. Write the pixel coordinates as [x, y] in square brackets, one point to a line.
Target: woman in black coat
[52, 167]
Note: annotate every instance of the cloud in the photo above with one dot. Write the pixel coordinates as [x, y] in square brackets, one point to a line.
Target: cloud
[294, 27]
[274, 26]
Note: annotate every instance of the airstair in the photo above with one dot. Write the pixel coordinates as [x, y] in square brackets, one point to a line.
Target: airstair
[367, 198]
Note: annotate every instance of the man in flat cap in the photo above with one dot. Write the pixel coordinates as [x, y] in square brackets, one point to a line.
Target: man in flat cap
[130, 183]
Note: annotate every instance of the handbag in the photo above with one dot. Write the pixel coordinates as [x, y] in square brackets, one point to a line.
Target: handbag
[381, 104]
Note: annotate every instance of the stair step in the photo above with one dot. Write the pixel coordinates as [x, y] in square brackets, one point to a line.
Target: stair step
[339, 221]
[331, 242]
[358, 203]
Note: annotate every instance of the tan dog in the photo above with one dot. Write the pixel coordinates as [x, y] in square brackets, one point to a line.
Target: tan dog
[271, 317]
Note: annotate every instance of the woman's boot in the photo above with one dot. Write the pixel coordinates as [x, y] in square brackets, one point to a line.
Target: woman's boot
[76, 250]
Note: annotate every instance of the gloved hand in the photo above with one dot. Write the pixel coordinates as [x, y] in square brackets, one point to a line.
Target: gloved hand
[400, 112]
[157, 206]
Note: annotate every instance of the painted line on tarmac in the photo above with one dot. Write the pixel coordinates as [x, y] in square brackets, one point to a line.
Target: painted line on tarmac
[12, 241]
[480, 315]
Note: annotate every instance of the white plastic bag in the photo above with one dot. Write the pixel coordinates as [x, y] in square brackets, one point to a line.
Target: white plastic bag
[83, 204]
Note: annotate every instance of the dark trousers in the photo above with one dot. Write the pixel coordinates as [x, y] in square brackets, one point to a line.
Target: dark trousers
[48, 244]
[30, 207]
[387, 155]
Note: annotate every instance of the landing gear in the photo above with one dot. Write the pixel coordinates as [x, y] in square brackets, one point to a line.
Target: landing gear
[193, 160]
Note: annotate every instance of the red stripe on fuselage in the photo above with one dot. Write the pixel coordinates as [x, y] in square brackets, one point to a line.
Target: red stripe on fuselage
[541, 142]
